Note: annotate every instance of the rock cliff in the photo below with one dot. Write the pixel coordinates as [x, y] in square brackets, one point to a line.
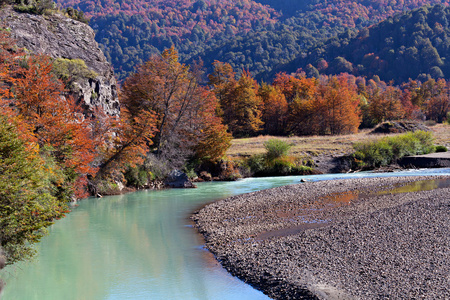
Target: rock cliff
[63, 38]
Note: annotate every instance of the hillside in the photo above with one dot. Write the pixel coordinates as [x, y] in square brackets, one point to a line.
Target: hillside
[253, 35]
[130, 31]
[412, 45]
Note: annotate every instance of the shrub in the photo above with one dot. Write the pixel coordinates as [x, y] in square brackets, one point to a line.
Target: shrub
[106, 187]
[387, 150]
[39, 7]
[441, 148]
[276, 148]
[136, 176]
[281, 166]
[190, 172]
[77, 15]
[256, 163]
[71, 70]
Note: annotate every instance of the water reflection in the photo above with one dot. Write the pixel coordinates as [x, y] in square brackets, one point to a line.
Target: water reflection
[422, 185]
[137, 246]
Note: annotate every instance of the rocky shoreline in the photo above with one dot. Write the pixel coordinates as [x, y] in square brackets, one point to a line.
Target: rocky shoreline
[344, 239]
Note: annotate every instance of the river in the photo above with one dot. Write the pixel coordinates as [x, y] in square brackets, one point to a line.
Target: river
[141, 246]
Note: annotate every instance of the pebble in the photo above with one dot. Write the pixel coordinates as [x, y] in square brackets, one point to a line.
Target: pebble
[373, 246]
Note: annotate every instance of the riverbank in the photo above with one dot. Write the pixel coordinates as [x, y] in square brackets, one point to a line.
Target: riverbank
[337, 239]
[329, 153]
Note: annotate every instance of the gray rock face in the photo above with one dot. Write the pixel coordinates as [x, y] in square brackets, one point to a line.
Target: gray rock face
[62, 37]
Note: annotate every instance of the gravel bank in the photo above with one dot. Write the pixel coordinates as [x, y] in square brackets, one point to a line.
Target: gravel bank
[343, 239]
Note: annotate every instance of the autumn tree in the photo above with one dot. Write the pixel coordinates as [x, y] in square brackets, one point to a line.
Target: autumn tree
[303, 118]
[328, 106]
[385, 104]
[338, 105]
[275, 109]
[32, 99]
[436, 103]
[185, 112]
[223, 79]
[290, 86]
[241, 107]
[125, 143]
[27, 178]
[431, 97]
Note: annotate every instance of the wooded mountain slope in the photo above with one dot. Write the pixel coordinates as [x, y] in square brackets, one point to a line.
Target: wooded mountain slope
[411, 45]
[254, 35]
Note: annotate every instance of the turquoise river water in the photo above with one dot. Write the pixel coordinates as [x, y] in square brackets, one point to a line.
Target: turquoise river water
[141, 246]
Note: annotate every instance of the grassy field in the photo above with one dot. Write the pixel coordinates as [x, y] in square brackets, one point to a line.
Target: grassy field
[323, 145]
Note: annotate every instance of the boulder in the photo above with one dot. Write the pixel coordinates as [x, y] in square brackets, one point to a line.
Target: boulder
[178, 179]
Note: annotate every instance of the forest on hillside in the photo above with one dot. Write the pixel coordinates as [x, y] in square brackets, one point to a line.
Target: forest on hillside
[247, 34]
[412, 45]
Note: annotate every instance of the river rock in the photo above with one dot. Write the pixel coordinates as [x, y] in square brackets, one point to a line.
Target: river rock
[344, 239]
[178, 179]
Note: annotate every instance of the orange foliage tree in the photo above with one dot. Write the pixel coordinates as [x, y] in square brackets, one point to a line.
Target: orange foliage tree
[330, 106]
[438, 106]
[338, 104]
[435, 99]
[241, 107]
[185, 112]
[303, 118]
[275, 109]
[385, 104]
[32, 99]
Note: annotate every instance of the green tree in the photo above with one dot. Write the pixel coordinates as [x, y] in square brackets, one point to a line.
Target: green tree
[26, 203]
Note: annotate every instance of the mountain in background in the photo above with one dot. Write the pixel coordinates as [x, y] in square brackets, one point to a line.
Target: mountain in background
[415, 45]
[251, 35]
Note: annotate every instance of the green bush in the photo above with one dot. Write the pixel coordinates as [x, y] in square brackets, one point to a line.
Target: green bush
[256, 163]
[136, 176]
[441, 148]
[27, 205]
[71, 70]
[259, 165]
[275, 162]
[77, 15]
[39, 7]
[372, 154]
[276, 148]
[190, 172]
[106, 187]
